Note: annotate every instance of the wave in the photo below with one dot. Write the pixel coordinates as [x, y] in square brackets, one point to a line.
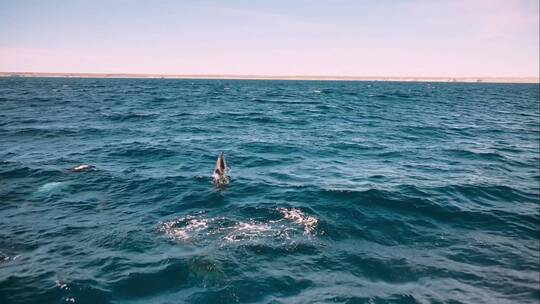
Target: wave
[54, 132]
[263, 119]
[491, 193]
[470, 154]
[140, 150]
[394, 96]
[176, 273]
[30, 289]
[130, 116]
[44, 132]
[354, 146]
[10, 170]
[415, 203]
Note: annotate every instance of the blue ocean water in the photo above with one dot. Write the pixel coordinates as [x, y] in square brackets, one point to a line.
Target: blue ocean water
[341, 192]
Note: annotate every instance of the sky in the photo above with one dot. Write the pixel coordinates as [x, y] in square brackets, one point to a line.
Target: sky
[447, 38]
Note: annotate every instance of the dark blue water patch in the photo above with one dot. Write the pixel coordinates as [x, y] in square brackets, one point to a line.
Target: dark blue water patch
[122, 117]
[394, 95]
[341, 192]
[488, 194]
[411, 205]
[177, 273]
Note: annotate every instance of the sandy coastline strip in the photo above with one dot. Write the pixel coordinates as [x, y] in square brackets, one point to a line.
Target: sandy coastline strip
[268, 77]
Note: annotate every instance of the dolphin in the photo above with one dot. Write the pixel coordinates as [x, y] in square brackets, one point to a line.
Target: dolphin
[220, 176]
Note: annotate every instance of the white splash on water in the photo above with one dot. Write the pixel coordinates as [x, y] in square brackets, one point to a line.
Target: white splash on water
[182, 228]
[62, 285]
[197, 224]
[82, 167]
[197, 227]
[249, 230]
[252, 227]
[297, 216]
[8, 258]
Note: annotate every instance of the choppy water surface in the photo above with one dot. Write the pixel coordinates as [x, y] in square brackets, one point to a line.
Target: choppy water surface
[348, 192]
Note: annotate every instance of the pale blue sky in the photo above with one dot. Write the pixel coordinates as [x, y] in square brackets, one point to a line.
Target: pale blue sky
[350, 38]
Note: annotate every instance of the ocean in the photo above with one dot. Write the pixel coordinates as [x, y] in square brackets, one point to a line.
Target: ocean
[340, 192]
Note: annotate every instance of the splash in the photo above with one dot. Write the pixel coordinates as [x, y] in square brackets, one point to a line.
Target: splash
[62, 285]
[252, 227]
[249, 230]
[183, 228]
[297, 216]
[198, 228]
[5, 258]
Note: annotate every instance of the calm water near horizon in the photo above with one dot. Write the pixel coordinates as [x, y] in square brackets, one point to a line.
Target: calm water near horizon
[341, 192]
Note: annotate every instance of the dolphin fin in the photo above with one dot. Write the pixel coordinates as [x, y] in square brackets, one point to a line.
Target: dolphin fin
[221, 166]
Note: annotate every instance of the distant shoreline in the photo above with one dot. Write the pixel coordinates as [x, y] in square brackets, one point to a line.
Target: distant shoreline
[265, 77]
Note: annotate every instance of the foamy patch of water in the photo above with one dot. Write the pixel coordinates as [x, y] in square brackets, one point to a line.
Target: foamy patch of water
[297, 216]
[196, 228]
[249, 230]
[252, 227]
[183, 228]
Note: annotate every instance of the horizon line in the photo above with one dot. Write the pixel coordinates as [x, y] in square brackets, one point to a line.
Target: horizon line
[485, 79]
